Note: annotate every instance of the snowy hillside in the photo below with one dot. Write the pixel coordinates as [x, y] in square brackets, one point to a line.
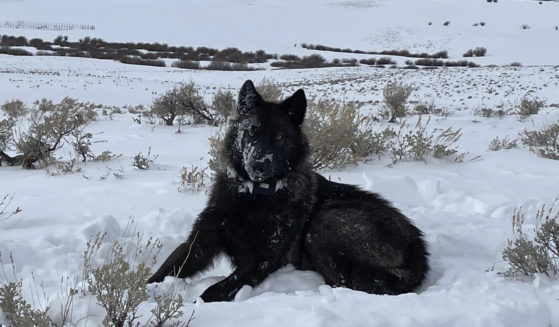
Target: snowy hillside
[464, 209]
[277, 26]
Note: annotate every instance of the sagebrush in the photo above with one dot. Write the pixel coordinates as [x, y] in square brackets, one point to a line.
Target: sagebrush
[505, 143]
[142, 161]
[395, 95]
[224, 105]
[543, 142]
[119, 287]
[14, 108]
[17, 310]
[269, 89]
[529, 106]
[5, 211]
[183, 100]
[43, 131]
[192, 179]
[338, 133]
[417, 143]
[534, 251]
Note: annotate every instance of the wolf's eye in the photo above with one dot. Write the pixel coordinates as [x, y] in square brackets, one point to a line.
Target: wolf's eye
[278, 137]
[250, 133]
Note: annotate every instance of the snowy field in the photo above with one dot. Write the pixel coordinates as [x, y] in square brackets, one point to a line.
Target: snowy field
[464, 209]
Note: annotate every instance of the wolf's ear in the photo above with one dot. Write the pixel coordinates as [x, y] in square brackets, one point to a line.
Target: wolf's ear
[248, 98]
[296, 106]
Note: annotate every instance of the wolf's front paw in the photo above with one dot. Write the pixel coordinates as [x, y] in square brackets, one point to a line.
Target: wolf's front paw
[216, 293]
[156, 278]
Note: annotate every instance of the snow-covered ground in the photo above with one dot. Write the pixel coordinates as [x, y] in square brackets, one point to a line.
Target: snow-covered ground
[464, 208]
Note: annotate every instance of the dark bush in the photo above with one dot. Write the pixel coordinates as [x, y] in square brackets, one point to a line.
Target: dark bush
[206, 50]
[480, 51]
[313, 61]
[39, 44]
[187, 64]
[290, 57]
[477, 52]
[231, 55]
[370, 61]
[140, 61]
[61, 40]
[429, 62]
[441, 54]
[12, 41]
[385, 61]
[226, 66]
[403, 53]
[349, 62]
[15, 52]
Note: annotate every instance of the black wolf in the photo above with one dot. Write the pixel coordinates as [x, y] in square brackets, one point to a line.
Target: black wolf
[270, 209]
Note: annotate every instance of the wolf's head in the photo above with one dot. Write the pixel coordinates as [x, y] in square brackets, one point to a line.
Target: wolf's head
[265, 142]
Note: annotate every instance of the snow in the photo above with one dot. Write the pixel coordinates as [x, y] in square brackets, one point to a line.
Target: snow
[464, 209]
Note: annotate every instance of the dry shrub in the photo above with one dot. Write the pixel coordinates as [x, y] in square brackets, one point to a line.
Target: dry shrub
[5, 201]
[338, 134]
[488, 112]
[116, 277]
[14, 108]
[529, 106]
[167, 310]
[430, 109]
[142, 161]
[192, 179]
[543, 142]
[84, 111]
[538, 252]
[395, 96]
[269, 90]
[62, 167]
[218, 155]
[224, 105]
[418, 143]
[184, 100]
[16, 309]
[119, 287]
[119, 281]
[49, 128]
[6, 139]
[500, 144]
[106, 156]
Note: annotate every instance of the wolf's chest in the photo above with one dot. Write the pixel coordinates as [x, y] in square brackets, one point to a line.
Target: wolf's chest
[261, 225]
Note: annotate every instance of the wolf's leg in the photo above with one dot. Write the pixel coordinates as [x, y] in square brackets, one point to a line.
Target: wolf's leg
[196, 253]
[246, 274]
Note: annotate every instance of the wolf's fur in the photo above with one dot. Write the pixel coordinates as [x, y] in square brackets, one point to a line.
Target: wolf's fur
[271, 209]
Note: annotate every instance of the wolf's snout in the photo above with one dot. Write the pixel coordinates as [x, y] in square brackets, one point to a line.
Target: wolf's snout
[262, 168]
